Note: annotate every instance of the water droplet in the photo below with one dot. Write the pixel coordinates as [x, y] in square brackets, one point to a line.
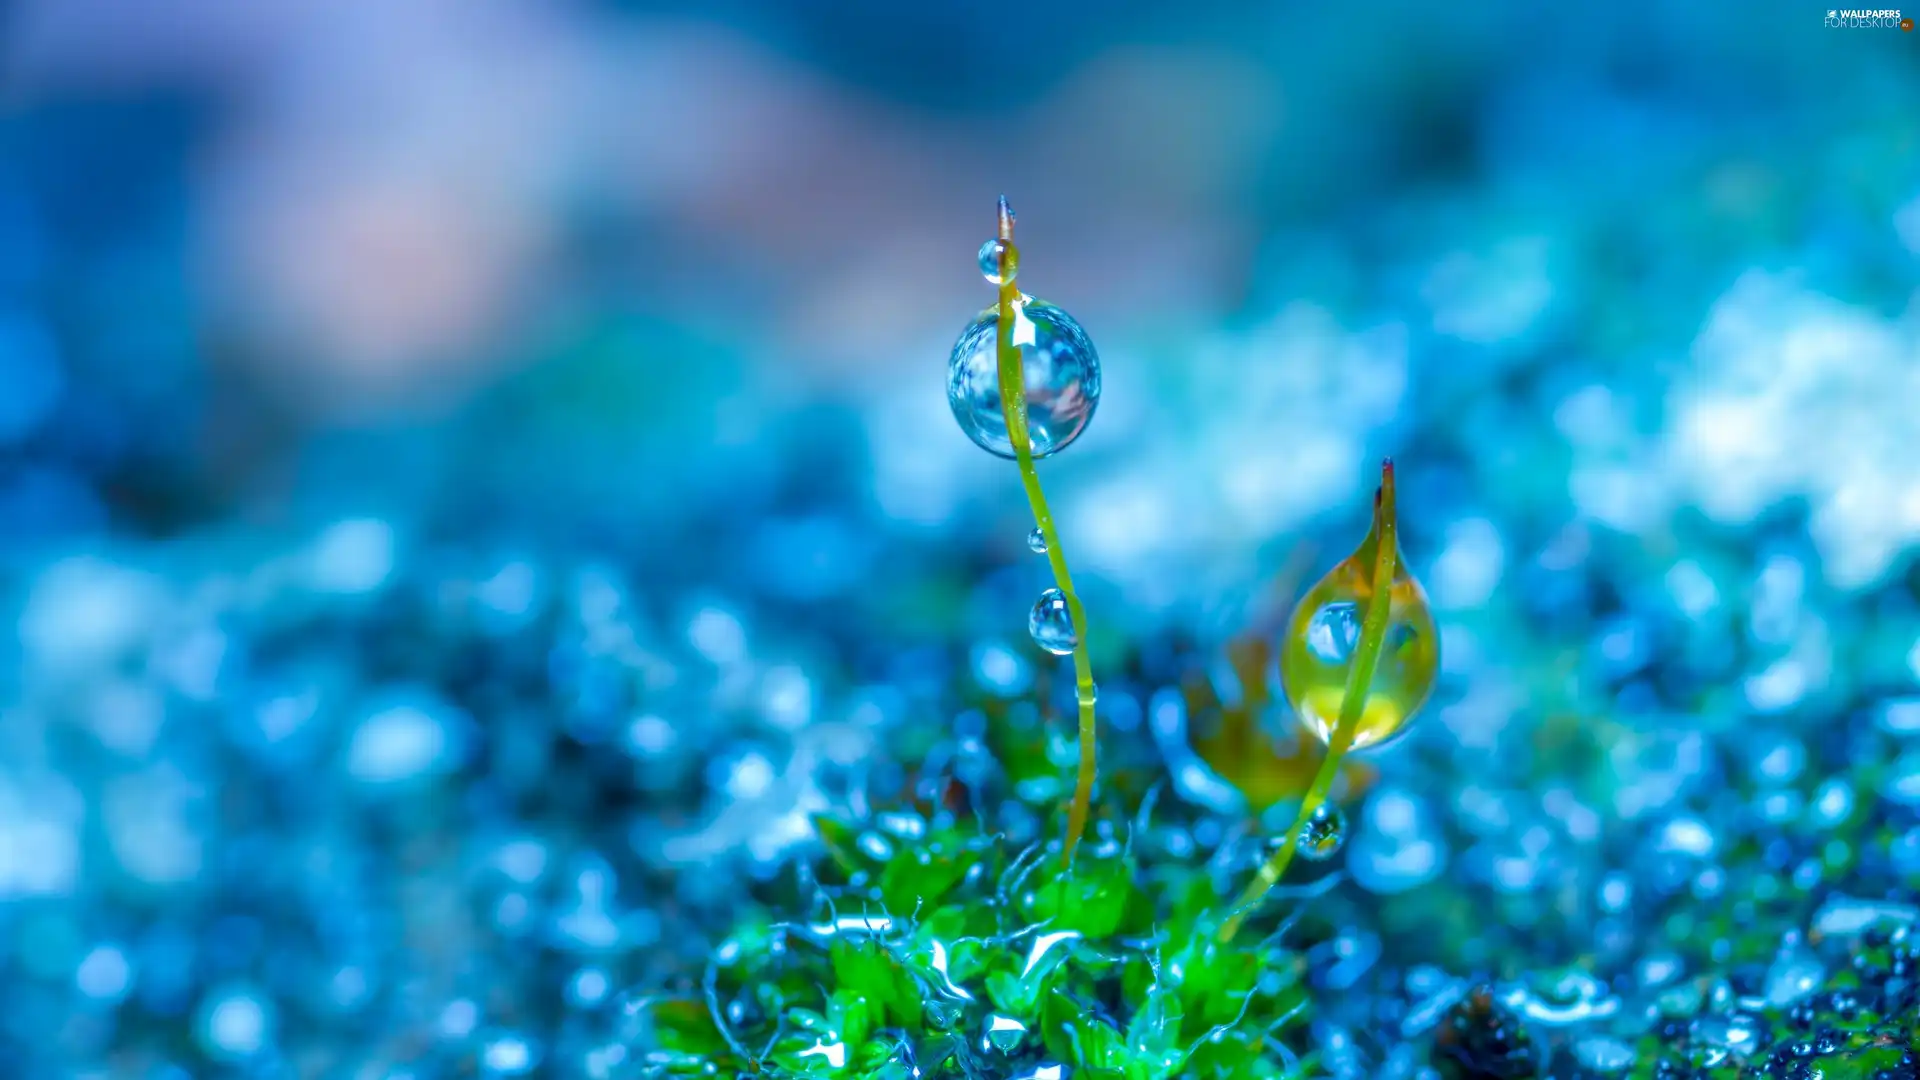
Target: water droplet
[1003, 1034]
[1060, 370]
[1711, 1039]
[1561, 999]
[1051, 624]
[1795, 973]
[1323, 639]
[1603, 1055]
[1326, 830]
[1037, 542]
[999, 261]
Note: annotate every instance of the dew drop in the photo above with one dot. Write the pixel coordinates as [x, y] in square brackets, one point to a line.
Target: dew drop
[1326, 830]
[1037, 542]
[1323, 639]
[1060, 371]
[999, 261]
[1051, 624]
[1003, 1033]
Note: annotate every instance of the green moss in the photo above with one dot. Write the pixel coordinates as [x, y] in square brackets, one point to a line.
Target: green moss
[953, 955]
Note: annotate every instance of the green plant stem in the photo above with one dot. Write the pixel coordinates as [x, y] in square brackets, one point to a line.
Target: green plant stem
[1013, 405]
[1366, 658]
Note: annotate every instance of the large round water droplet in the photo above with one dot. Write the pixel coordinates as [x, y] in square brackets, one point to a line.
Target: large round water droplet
[1323, 638]
[1326, 830]
[1037, 542]
[1051, 624]
[1060, 372]
[999, 261]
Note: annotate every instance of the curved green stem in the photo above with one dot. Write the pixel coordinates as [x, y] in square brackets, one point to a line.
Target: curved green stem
[1013, 405]
[1366, 658]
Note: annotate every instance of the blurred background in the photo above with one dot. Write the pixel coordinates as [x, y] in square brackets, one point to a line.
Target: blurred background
[408, 409]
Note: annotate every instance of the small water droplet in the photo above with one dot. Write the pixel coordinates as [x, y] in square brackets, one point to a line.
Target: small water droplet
[1564, 998]
[1323, 639]
[1603, 1055]
[999, 261]
[1712, 1039]
[1060, 372]
[1326, 830]
[1037, 542]
[1003, 1034]
[1051, 624]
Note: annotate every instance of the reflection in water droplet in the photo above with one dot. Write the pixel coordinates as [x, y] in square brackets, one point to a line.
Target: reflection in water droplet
[1037, 542]
[1333, 632]
[1059, 366]
[1051, 624]
[1323, 637]
[1326, 830]
[999, 261]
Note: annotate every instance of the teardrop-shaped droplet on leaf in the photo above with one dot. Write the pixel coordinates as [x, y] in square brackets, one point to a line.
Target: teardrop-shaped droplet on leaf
[1051, 623]
[1324, 636]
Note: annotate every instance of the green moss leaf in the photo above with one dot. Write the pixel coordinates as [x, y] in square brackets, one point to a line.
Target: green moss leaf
[1154, 1047]
[1030, 974]
[917, 879]
[1093, 901]
[870, 970]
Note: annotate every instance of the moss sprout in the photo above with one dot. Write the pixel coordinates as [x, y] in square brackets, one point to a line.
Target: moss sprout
[1013, 399]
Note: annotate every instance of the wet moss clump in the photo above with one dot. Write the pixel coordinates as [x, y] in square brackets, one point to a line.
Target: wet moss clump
[938, 949]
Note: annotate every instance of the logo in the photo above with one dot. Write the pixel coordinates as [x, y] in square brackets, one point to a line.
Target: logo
[1867, 19]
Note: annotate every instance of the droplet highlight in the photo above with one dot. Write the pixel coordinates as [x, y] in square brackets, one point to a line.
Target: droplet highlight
[1324, 833]
[1059, 369]
[999, 261]
[1051, 623]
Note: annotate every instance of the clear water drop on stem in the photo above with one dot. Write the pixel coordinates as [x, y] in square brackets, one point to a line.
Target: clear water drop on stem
[1051, 623]
[1060, 369]
[999, 261]
[1323, 638]
[1037, 542]
[1324, 833]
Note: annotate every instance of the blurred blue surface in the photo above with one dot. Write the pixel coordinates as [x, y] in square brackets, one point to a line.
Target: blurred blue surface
[463, 464]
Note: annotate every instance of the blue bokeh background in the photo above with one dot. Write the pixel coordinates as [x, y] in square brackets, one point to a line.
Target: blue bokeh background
[411, 413]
